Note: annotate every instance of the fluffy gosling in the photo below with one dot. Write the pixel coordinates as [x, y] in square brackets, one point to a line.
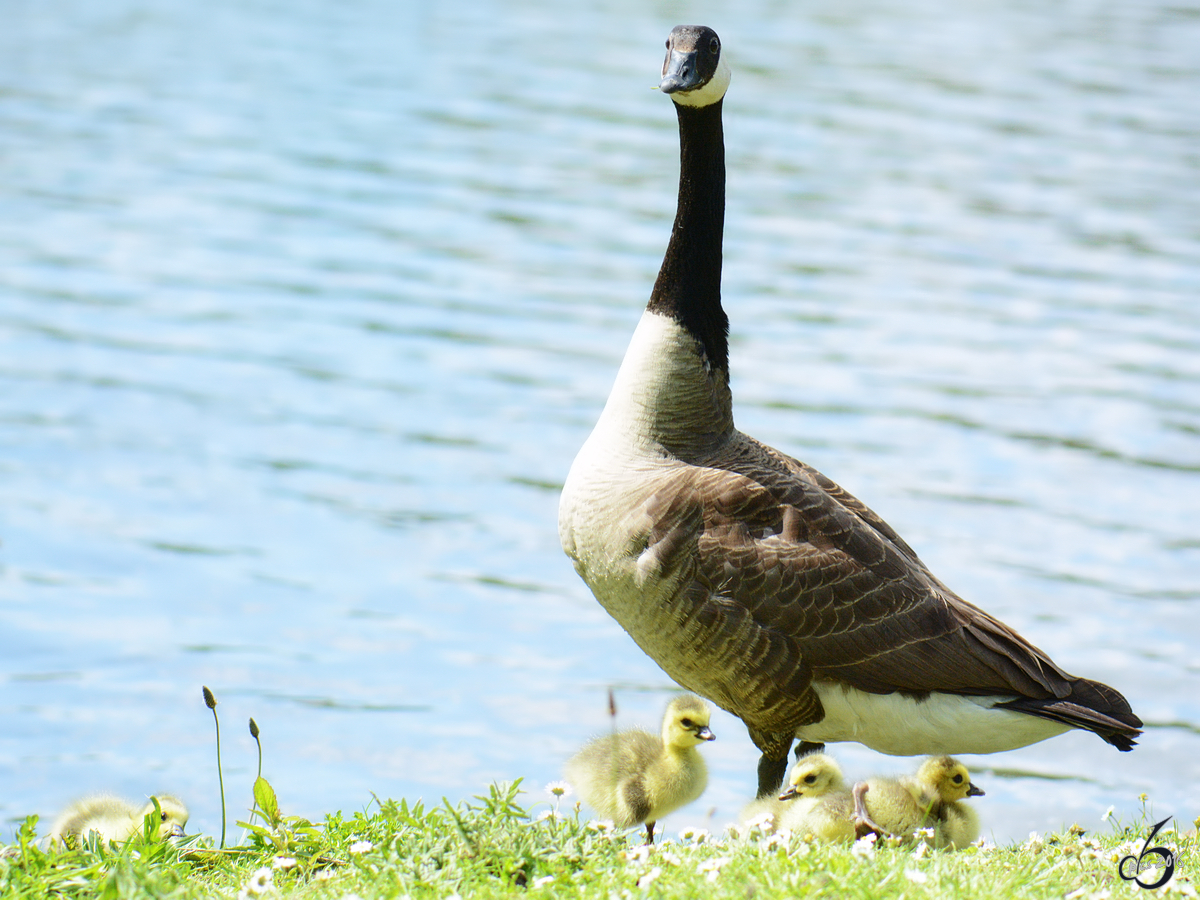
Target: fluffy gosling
[816, 800]
[115, 819]
[813, 777]
[930, 799]
[958, 822]
[635, 777]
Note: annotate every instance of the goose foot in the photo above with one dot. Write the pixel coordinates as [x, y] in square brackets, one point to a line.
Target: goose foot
[863, 823]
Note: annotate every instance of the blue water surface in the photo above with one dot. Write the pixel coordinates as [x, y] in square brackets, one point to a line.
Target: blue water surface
[306, 308]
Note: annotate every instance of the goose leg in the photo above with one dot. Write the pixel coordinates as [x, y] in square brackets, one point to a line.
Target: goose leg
[649, 832]
[770, 774]
[772, 765]
[863, 823]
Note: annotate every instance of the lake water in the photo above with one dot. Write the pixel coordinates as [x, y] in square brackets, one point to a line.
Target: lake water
[305, 309]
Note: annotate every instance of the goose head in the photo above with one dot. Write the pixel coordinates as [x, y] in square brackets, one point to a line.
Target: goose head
[948, 777]
[686, 722]
[695, 72]
[814, 776]
[172, 815]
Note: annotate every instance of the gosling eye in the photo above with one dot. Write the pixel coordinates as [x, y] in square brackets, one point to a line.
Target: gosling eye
[957, 779]
[668, 43]
[810, 779]
[687, 723]
[714, 46]
[164, 817]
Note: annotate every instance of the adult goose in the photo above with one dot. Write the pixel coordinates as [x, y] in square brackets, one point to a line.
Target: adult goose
[750, 577]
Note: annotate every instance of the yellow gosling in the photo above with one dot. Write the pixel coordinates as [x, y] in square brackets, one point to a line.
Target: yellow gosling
[115, 819]
[930, 799]
[816, 800]
[958, 824]
[635, 777]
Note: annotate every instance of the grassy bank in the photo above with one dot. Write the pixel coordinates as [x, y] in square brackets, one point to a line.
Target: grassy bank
[493, 846]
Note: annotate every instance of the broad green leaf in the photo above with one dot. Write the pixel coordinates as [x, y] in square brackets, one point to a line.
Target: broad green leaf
[264, 796]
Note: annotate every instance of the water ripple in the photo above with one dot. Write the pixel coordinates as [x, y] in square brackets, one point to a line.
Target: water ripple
[304, 313]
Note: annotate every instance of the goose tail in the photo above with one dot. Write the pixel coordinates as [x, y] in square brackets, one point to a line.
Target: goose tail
[1091, 706]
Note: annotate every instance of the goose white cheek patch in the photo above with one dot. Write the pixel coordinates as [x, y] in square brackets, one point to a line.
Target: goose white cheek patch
[711, 92]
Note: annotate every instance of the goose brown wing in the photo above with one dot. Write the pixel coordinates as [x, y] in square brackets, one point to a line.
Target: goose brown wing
[788, 467]
[827, 590]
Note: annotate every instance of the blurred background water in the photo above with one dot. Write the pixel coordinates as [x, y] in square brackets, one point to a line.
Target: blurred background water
[305, 309]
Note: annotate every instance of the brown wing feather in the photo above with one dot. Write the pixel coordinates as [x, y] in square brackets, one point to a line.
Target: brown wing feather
[785, 577]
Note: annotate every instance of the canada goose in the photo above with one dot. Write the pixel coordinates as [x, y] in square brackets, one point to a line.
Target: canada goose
[750, 577]
[115, 819]
[816, 800]
[930, 799]
[634, 776]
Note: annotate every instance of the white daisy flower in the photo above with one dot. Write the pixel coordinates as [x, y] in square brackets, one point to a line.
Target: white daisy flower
[261, 882]
[558, 789]
[763, 822]
[864, 846]
[638, 855]
[649, 878]
[779, 840]
[711, 868]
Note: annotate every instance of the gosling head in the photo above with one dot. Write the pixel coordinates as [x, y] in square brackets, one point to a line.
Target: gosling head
[948, 777]
[686, 723]
[814, 776]
[695, 72]
[172, 815]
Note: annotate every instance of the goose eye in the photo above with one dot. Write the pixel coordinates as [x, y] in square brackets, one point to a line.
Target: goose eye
[164, 817]
[668, 43]
[957, 779]
[686, 723]
[714, 46]
[809, 779]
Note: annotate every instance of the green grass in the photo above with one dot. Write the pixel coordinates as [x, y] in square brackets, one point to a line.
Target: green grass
[493, 846]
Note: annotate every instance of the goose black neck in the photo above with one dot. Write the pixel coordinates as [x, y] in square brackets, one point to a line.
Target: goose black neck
[688, 287]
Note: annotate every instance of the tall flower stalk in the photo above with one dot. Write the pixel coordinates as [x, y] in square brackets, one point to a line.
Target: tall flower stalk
[254, 734]
[211, 702]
